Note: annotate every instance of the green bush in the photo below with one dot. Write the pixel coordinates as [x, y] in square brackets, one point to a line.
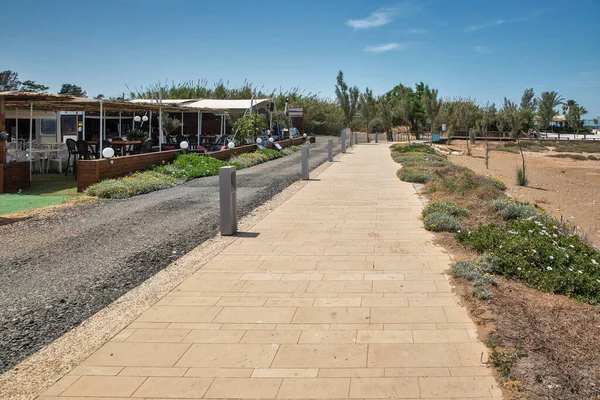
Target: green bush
[420, 159]
[512, 209]
[413, 148]
[536, 251]
[132, 185]
[416, 174]
[441, 222]
[522, 179]
[446, 206]
[190, 166]
[493, 181]
[246, 160]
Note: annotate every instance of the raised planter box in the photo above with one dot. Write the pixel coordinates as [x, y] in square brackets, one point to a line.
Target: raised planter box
[93, 171]
[14, 177]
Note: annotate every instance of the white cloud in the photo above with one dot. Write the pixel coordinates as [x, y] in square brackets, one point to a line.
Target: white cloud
[377, 18]
[488, 25]
[417, 31]
[482, 50]
[381, 48]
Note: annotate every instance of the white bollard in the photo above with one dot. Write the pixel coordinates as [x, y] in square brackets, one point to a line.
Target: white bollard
[305, 172]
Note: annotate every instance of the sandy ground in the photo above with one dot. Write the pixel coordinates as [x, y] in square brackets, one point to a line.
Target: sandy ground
[563, 187]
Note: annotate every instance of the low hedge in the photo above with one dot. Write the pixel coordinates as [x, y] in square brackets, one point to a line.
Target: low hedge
[184, 168]
[132, 185]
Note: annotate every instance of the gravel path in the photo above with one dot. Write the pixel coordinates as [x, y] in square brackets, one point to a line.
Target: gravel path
[59, 269]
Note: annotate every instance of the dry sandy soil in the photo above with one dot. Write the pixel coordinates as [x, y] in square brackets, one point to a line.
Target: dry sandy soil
[563, 187]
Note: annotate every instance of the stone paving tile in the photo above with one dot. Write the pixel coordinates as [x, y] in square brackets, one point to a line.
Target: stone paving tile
[341, 295]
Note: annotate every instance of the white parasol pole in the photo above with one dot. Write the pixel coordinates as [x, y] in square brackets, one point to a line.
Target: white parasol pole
[101, 125]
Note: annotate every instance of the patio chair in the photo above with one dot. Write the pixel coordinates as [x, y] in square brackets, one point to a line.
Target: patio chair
[180, 138]
[220, 143]
[83, 148]
[58, 158]
[73, 150]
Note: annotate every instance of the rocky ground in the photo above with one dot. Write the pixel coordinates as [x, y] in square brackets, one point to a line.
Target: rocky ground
[59, 268]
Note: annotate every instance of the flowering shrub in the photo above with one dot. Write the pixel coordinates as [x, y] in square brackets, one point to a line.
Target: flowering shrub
[132, 185]
[246, 160]
[441, 222]
[446, 206]
[512, 209]
[536, 251]
[497, 183]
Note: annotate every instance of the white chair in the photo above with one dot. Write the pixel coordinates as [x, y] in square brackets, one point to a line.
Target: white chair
[58, 157]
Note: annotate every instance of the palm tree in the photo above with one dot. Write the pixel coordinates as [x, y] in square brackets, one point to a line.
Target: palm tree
[367, 108]
[546, 107]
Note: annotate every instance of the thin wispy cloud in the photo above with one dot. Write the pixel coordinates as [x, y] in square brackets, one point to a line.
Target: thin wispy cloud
[482, 50]
[417, 31]
[378, 18]
[382, 48]
[501, 21]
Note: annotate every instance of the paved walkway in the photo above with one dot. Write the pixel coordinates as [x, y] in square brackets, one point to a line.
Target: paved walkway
[338, 293]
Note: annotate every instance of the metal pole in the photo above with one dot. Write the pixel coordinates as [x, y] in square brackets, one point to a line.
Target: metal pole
[101, 124]
[30, 139]
[330, 149]
[83, 130]
[343, 137]
[305, 172]
[120, 112]
[17, 129]
[199, 126]
[160, 125]
[356, 138]
[182, 122]
[150, 125]
[228, 200]
[377, 137]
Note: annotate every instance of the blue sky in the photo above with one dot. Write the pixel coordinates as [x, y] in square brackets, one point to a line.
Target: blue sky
[483, 49]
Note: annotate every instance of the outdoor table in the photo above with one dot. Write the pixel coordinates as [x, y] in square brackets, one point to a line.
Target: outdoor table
[124, 143]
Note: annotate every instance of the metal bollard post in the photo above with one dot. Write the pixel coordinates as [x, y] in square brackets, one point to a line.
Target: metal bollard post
[228, 200]
[305, 173]
[330, 149]
[350, 143]
[343, 137]
[356, 138]
[377, 137]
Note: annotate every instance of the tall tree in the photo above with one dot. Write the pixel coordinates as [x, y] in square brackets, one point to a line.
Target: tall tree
[546, 107]
[9, 80]
[72, 90]
[367, 105]
[386, 110]
[347, 99]
[528, 108]
[432, 105]
[573, 112]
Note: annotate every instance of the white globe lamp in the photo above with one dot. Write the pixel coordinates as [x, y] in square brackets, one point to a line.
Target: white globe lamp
[137, 118]
[231, 145]
[108, 152]
[184, 145]
[271, 140]
[258, 140]
[145, 118]
[305, 135]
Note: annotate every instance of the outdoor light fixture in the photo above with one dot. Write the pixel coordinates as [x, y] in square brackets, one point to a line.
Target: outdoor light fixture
[271, 140]
[108, 152]
[144, 118]
[184, 145]
[137, 118]
[258, 140]
[231, 145]
[305, 135]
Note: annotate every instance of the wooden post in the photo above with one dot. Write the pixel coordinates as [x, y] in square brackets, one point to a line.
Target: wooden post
[2, 128]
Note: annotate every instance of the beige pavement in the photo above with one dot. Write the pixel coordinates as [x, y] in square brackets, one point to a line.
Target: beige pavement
[338, 293]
